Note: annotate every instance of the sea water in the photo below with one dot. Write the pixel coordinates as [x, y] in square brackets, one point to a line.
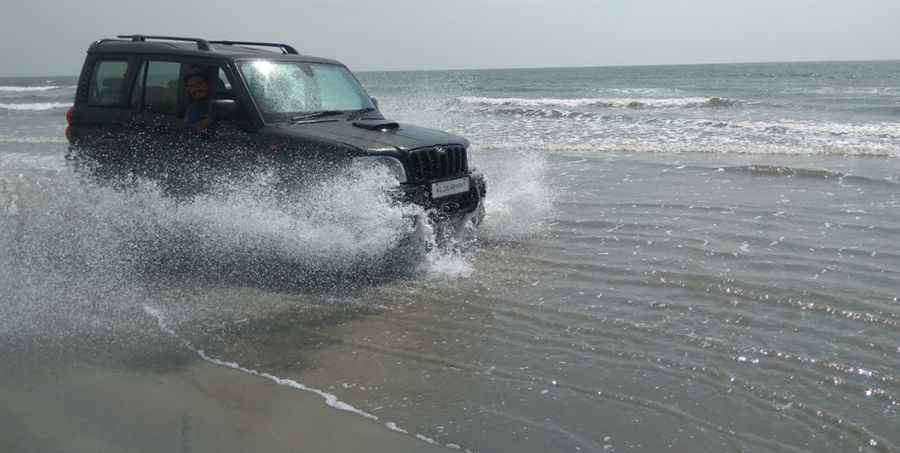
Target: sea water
[685, 258]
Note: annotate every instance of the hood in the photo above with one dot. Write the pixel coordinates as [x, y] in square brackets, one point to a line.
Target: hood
[366, 136]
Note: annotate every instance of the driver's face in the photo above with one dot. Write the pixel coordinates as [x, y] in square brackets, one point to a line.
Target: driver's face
[197, 88]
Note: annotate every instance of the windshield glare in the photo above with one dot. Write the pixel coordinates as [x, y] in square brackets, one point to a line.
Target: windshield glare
[284, 89]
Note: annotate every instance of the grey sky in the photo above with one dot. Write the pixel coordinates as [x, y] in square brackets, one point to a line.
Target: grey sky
[49, 37]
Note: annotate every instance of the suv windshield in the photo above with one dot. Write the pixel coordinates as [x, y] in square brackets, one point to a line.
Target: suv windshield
[284, 89]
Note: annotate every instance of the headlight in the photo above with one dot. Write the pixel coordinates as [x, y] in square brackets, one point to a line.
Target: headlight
[392, 164]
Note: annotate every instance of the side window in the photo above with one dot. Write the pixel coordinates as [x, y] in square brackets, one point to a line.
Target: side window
[219, 87]
[161, 86]
[108, 83]
[217, 80]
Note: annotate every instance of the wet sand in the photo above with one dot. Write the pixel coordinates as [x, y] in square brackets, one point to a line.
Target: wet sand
[198, 407]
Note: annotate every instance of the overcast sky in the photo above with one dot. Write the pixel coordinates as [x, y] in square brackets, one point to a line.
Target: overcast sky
[49, 37]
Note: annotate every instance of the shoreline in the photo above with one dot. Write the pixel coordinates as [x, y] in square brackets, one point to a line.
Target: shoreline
[200, 407]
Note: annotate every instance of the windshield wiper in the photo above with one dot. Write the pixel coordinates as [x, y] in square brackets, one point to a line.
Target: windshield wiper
[315, 115]
[357, 114]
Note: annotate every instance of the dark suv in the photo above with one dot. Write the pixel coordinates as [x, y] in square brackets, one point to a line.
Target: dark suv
[269, 108]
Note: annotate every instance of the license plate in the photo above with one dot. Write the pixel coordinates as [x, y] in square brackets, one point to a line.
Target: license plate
[451, 187]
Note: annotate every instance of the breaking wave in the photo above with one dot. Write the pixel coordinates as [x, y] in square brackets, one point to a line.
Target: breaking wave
[833, 130]
[28, 89]
[36, 106]
[635, 103]
[808, 173]
[31, 140]
[723, 146]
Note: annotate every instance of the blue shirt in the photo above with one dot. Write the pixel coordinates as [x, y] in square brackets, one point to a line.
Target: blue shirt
[196, 112]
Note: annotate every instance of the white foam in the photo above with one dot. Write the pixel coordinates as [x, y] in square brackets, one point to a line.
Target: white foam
[393, 427]
[27, 89]
[831, 90]
[833, 130]
[614, 145]
[643, 92]
[594, 102]
[330, 399]
[31, 140]
[426, 439]
[37, 106]
[447, 263]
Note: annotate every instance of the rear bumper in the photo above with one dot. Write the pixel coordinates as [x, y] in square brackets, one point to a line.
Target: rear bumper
[450, 206]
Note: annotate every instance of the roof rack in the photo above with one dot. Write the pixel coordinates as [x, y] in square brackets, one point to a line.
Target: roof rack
[285, 48]
[202, 44]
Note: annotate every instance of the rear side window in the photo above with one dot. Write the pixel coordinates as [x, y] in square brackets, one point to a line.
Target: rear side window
[161, 84]
[108, 83]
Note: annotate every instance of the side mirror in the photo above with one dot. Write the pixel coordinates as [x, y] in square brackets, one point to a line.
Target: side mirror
[375, 101]
[223, 109]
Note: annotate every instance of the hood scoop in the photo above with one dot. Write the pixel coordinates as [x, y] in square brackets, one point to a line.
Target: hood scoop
[377, 125]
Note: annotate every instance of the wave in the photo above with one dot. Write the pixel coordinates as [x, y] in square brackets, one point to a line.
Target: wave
[544, 113]
[877, 130]
[631, 103]
[629, 145]
[36, 107]
[843, 90]
[808, 173]
[28, 89]
[778, 170]
[644, 92]
[5, 139]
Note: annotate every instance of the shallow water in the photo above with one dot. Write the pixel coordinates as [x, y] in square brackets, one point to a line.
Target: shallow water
[736, 288]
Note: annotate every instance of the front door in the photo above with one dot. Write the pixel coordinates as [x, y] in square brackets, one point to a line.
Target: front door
[168, 141]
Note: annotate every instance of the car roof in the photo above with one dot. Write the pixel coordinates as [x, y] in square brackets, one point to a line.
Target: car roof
[174, 46]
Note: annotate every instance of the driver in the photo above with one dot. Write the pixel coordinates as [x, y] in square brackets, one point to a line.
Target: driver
[197, 116]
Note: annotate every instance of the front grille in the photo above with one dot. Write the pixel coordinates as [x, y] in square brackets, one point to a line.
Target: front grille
[437, 162]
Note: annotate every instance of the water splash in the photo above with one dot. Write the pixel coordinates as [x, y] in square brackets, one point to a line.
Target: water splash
[520, 200]
[74, 252]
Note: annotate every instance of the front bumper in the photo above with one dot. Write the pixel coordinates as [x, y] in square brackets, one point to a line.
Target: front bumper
[450, 206]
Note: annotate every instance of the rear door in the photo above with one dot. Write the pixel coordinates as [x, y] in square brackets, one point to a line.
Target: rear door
[103, 112]
[155, 99]
[160, 141]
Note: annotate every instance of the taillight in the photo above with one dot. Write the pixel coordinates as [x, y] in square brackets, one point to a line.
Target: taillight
[69, 114]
